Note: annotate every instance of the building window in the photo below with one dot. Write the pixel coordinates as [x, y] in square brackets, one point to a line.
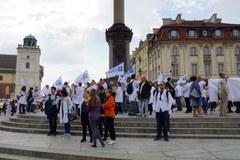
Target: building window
[191, 33]
[174, 51]
[206, 51]
[219, 51]
[150, 76]
[158, 54]
[28, 57]
[173, 33]
[235, 33]
[220, 68]
[150, 60]
[218, 33]
[1, 78]
[207, 69]
[175, 69]
[237, 50]
[193, 51]
[238, 68]
[27, 65]
[194, 69]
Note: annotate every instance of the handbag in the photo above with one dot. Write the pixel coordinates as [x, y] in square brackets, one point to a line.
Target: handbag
[194, 93]
[72, 115]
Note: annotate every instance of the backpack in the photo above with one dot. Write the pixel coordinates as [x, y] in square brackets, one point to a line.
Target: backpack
[130, 88]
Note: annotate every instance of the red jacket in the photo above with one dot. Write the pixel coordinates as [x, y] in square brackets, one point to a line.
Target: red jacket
[109, 107]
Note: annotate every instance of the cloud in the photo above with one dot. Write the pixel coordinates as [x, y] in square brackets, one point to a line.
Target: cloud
[71, 34]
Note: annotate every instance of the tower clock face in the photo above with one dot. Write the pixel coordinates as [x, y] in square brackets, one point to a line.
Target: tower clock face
[204, 33]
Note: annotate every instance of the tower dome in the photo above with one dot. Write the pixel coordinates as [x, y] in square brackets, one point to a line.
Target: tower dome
[30, 41]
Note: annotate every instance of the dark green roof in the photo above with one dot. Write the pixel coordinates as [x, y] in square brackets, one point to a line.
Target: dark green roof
[30, 37]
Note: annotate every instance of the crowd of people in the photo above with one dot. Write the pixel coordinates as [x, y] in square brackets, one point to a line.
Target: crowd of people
[97, 104]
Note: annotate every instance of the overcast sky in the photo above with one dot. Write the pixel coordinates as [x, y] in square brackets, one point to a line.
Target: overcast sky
[71, 33]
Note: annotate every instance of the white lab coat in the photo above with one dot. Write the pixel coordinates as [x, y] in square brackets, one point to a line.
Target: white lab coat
[65, 108]
[77, 98]
[134, 95]
[186, 90]
[163, 104]
[151, 95]
[178, 91]
[23, 99]
[119, 95]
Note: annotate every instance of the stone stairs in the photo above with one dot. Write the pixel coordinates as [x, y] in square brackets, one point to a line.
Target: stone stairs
[188, 127]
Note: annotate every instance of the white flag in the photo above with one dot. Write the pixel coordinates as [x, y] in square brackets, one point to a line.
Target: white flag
[115, 71]
[130, 72]
[58, 84]
[182, 80]
[83, 78]
[161, 78]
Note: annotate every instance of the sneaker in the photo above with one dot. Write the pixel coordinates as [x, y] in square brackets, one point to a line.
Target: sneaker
[64, 134]
[111, 142]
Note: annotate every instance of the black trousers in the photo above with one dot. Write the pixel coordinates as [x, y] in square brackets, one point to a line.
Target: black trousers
[187, 101]
[85, 125]
[103, 123]
[22, 108]
[53, 123]
[150, 108]
[162, 119]
[110, 126]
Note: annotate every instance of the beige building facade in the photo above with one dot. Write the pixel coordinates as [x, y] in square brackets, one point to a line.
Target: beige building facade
[200, 47]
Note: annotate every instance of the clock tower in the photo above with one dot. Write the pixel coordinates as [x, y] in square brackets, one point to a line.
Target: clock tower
[29, 72]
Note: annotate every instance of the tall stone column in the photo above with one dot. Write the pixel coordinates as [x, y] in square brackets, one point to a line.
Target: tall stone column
[118, 37]
[118, 11]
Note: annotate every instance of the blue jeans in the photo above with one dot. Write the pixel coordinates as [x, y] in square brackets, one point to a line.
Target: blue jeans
[33, 108]
[77, 109]
[143, 106]
[67, 127]
[94, 123]
[179, 103]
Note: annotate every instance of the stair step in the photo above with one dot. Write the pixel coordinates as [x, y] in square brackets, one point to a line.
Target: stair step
[57, 154]
[18, 157]
[148, 124]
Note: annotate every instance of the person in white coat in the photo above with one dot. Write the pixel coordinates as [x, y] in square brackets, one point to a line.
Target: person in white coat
[22, 100]
[133, 96]
[150, 102]
[162, 104]
[178, 96]
[119, 98]
[65, 108]
[77, 97]
[186, 92]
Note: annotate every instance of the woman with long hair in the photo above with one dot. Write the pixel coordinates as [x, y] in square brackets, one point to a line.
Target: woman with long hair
[65, 108]
[94, 105]
[84, 117]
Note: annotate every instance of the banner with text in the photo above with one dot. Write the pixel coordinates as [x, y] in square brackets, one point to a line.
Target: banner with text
[58, 84]
[115, 71]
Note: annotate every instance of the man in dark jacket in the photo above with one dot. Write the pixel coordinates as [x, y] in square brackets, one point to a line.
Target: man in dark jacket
[143, 96]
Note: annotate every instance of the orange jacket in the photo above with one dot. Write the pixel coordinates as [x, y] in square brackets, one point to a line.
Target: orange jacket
[109, 107]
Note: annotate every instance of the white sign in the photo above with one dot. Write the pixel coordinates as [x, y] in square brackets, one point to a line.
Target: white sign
[83, 78]
[115, 71]
[58, 84]
[182, 80]
[161, 78]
